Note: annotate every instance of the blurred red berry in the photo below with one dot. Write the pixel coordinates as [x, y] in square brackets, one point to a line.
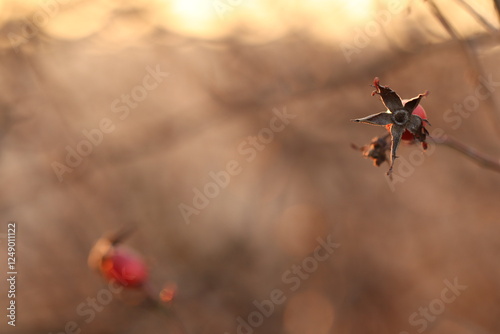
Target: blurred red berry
[119, 263]
[124, 266]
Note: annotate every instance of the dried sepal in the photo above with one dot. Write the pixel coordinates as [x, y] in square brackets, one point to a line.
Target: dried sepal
[383, 118]
[376, 150]
[389, 97]
[412, 103]
[416, 127]
[396, 133]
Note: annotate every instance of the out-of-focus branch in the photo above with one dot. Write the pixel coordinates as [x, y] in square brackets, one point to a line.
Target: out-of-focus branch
[475, 64]
[497, 7]
[444, 22]
[481, 20]
[470, 152]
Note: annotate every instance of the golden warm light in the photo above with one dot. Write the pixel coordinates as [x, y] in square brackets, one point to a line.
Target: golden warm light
[335, 21]
[194, 10]
[359, 9]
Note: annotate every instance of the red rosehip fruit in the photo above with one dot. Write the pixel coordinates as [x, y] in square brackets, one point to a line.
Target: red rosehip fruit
[124, 266]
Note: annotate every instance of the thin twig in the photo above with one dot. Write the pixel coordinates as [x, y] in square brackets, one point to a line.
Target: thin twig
[478, 17]
[470, 152]
[497, 7]
[474, 62]
[444, 22]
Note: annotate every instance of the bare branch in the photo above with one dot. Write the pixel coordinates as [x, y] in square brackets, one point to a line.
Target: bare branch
[444, 22]
[478, 17]
[470, 152]
[497, 7]
[475, 64]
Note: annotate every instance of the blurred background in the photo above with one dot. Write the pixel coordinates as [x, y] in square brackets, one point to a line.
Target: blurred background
[118, 113]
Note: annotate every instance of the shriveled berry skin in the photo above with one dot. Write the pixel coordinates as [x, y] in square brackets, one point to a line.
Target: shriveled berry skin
[124, 266]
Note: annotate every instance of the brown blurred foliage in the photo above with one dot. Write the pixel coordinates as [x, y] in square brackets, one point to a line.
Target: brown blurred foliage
[397, 244]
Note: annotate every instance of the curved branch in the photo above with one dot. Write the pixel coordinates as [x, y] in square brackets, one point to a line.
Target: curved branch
[473, 154]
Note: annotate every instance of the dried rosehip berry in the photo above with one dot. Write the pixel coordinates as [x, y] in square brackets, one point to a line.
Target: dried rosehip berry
[401, 117]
